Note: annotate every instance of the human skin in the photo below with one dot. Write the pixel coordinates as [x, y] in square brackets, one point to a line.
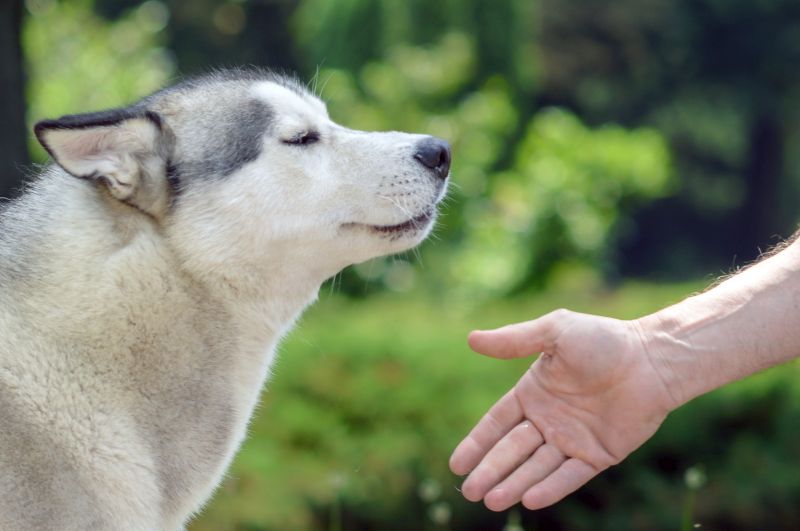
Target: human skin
[601, 387]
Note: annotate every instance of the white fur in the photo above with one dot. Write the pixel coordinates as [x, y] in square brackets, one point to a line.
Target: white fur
[135, 337]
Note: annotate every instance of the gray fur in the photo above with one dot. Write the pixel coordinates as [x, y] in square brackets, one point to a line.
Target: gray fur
[231, 140]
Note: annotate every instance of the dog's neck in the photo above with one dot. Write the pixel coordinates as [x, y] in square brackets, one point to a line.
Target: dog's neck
[100, 248]
[263, 300]
[110, 295]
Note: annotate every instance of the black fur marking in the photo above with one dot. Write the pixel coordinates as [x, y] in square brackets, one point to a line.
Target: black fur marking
[107, 118]
[239, 143]
[246, 134]
[173, 178]
[235, 139]
[99, 119]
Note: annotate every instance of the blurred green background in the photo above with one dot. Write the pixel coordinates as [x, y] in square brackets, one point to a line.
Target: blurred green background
[610, 157]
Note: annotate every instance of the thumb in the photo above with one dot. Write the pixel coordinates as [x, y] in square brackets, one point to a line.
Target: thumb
[518, 340]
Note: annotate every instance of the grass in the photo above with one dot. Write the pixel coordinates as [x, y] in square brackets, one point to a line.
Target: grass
[370, 396]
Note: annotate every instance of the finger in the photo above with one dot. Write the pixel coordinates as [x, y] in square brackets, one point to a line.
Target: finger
[518, 340]
[566, 479]
[541, 464]
[498, 421]
[511, 451]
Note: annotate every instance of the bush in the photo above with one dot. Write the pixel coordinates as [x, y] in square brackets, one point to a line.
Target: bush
[370, 397]
[526, 195]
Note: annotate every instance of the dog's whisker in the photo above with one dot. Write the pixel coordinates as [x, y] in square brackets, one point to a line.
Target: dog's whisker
[325, 84]
[400, 207]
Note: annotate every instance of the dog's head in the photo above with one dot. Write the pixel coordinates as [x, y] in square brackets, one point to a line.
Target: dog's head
[245, 169]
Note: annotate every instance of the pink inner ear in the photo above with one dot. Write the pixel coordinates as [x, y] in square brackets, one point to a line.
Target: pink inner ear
[72, 147]
[95, 151]
[85, 151]
[115, 156]
[81, 144]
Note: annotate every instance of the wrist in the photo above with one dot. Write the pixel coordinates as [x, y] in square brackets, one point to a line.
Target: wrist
[701, 343]
[741, 326]
[659, 349]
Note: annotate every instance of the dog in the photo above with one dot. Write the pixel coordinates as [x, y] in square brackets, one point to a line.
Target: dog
[147, 275]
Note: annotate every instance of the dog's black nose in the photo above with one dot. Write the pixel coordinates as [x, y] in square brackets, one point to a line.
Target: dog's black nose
[434, 153]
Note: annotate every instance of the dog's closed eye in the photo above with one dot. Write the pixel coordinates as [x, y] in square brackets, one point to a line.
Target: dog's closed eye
[303, 139]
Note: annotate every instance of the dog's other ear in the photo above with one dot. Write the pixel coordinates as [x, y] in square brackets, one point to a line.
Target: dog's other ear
[122, 149]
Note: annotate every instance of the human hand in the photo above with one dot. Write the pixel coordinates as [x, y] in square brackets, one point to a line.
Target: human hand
[590, 399]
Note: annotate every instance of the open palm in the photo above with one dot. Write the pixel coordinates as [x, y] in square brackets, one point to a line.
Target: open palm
[588, 401]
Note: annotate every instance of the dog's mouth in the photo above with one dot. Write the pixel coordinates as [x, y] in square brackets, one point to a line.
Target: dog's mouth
[413, 225]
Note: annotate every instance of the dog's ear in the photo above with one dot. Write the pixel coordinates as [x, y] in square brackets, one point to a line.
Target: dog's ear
[122, 149]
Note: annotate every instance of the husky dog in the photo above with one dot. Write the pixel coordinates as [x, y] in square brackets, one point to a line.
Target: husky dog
[147, 275]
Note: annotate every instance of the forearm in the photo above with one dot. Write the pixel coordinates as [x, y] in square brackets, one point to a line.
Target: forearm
[747, 323]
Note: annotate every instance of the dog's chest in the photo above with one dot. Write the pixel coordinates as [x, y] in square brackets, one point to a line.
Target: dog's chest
[186, 376]
[199, 420]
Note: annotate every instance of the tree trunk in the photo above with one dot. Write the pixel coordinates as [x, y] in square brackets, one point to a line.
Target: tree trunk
[13, 133]
[760, 226]
[264, 40]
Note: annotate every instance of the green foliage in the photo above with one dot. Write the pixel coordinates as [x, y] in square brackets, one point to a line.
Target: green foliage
[361, 415]
[347, 34]
[562, 197]
[78, 62]
[529, 192]
[371, 396]
[717, 78]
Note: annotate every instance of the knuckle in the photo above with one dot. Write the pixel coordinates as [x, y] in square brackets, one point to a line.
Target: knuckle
[552, 434]
[526, 434]
[555, 452]
[561, 313]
